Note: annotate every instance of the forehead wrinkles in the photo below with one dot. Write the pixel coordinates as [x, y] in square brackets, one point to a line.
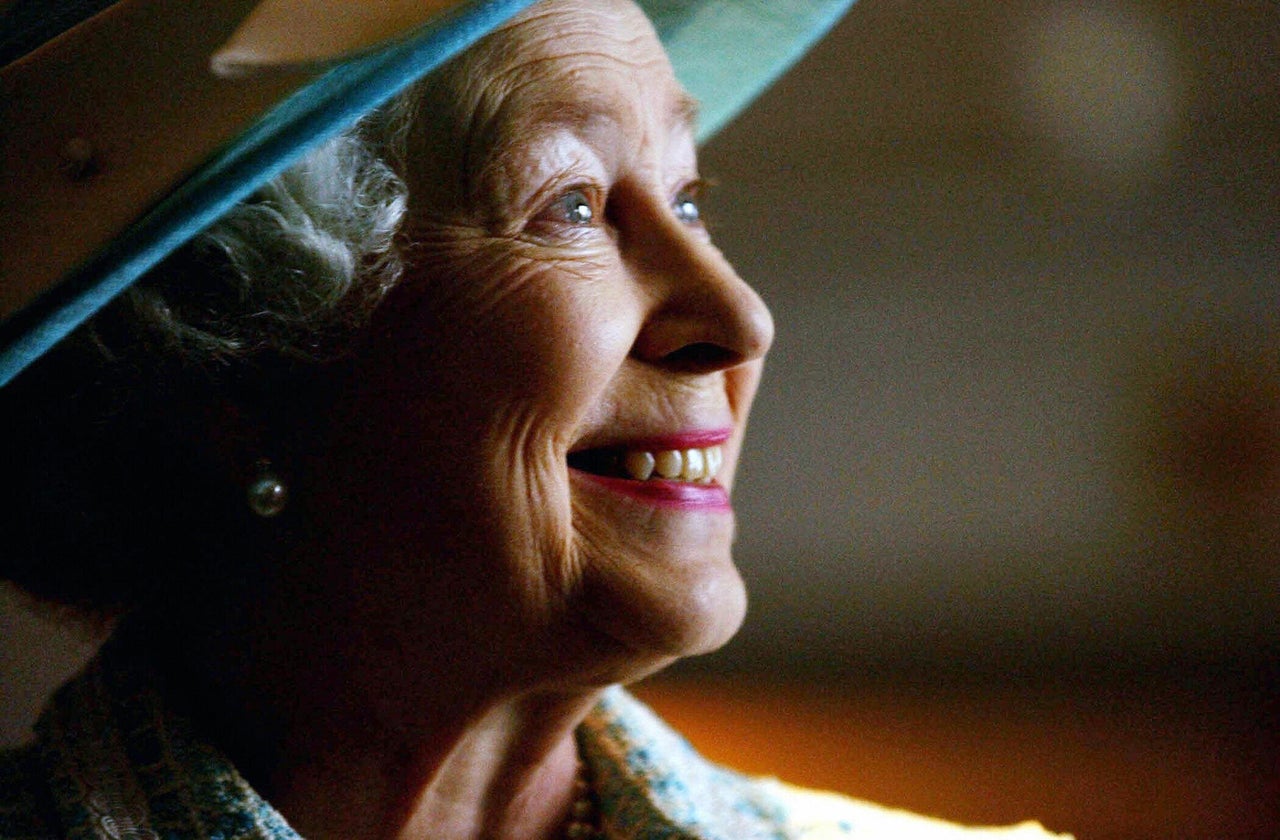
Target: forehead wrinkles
[582, 94]
[559, 65]
[576, 70]
[552, 29]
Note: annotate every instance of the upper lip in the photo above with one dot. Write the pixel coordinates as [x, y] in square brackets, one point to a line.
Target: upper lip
[696, 438]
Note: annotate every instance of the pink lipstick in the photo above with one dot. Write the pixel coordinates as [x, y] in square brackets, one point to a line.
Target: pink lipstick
[677, 470]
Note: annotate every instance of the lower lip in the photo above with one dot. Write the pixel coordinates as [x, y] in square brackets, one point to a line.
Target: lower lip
[668, 494]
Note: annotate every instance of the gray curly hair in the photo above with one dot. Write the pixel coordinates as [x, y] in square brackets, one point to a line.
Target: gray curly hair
[295, 269]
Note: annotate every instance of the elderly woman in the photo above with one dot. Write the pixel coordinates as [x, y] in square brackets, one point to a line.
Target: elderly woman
[394, 472]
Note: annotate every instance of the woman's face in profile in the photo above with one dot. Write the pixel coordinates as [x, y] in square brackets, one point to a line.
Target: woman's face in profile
[564, 327]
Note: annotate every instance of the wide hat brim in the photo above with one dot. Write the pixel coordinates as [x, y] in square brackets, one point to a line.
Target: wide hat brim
[130, 132]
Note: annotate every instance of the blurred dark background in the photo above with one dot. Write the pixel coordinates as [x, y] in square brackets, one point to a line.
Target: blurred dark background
[1010, 512]
[1025, 264]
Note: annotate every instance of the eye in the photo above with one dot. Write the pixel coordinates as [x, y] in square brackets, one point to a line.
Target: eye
[573, 208]
[685, 206]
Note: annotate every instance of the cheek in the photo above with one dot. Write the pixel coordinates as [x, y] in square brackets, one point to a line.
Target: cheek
[499, 329]
[478, 379]
[488, 364]
[557, 348]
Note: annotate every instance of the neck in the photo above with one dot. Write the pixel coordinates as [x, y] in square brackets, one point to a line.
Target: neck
[510, 777]
[508, 774]
[315, 736]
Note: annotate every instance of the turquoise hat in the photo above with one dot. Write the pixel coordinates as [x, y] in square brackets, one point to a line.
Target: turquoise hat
[128, 126]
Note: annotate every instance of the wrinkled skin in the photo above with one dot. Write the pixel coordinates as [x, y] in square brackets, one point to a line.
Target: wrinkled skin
[521, 334]
[464, 594]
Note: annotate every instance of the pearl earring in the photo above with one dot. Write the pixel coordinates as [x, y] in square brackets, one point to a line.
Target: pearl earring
[266, 494]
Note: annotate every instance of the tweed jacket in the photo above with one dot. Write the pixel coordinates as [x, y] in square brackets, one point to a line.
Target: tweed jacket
[112, 761]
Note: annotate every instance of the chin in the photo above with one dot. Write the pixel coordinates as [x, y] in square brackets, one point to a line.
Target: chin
[658, 581]
[680, 618]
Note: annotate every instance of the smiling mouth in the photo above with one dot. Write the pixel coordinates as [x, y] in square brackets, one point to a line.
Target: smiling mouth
[698, 465]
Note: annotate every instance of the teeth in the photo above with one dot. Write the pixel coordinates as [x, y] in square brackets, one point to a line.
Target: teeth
[639, 465]
[668, 463]
[695, 465]
[700, 465]
[715, 459]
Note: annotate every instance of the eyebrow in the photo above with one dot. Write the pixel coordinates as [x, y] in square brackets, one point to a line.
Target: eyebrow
[685, 111]
[582, 113]
[577, 115]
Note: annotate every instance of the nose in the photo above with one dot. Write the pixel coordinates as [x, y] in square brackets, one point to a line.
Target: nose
[704, 316]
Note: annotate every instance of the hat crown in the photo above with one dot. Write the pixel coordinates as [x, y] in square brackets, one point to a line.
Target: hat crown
[166, 147]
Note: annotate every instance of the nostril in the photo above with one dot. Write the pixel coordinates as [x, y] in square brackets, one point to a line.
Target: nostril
[702, 356]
